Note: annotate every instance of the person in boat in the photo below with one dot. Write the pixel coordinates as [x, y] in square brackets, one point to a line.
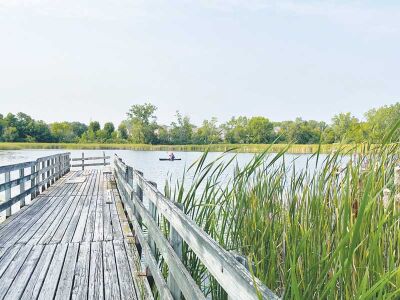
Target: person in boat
[172, 156]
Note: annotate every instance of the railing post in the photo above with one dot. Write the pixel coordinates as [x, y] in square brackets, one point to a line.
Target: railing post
[22, 187]
[7, 193]
[83, 161]
[104, 158]
[176, 242]
[33, 182]
[139, 195]
[153, 213]
[48, 172]
[43, 176]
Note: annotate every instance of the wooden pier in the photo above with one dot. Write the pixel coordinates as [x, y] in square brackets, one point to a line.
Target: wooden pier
[82, 237]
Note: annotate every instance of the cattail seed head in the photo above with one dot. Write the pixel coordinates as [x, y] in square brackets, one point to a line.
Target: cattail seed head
[397, 176]
[385, 199]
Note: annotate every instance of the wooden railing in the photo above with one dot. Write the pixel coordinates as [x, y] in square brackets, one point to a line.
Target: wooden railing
[42, 173]
[82, 165]
[233, 277]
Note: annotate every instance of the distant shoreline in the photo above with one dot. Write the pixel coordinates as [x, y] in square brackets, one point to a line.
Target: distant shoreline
[242, 148]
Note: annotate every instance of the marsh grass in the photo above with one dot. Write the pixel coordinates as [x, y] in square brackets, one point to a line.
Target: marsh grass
[245, 148]
[320, 232]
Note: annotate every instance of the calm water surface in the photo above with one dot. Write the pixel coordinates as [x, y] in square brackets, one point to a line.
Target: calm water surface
[146, 161]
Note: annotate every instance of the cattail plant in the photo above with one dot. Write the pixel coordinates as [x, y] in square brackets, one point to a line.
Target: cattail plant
[299, 229]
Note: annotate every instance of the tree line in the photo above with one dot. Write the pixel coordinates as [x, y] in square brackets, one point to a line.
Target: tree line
[141, 127]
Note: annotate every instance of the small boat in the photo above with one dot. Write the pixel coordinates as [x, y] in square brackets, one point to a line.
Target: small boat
[169, 159]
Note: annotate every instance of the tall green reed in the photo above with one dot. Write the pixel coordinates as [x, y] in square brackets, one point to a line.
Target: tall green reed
[323, 231]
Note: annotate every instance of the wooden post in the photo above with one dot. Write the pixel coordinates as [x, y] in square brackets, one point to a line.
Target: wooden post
[43, 176]
[48, 162]
[52, 163]
[83, 161]
[176, 242]
[139, 194]
[153, 213]
[7, 193]
[33, 182]
[104, 158]
[22, 187]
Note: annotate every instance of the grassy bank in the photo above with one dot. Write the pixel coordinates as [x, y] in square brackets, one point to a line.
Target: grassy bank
[325, 233]
[248, 148]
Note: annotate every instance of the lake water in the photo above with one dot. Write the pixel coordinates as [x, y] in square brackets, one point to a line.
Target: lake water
[146, 161]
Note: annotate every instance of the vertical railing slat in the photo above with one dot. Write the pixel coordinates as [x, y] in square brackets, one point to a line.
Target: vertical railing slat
[176, 242]
[33, 182]
[7, 177]
[22, 187]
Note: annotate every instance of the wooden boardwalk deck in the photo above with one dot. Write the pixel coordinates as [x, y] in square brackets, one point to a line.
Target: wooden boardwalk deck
[73, 241]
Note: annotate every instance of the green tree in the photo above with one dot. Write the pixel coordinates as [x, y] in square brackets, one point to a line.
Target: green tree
[62, 132]
[94, 126]
[109, 129]
[142, 123]
[122, 131]
[347, 128]
[10, 134]
[260, 130]
[235, 130]
[381, 120]
[182, 130]
[208, 133]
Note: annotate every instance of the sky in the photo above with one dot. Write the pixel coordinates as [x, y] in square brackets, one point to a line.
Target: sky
[83, 60]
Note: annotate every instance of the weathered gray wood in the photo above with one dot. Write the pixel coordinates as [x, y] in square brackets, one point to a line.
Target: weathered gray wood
[124, 275]
[90, 165]
[7, 257]
[187, 284]
[81, 276]
[8, 276]
[18, 181]
[111, 285]
[153, 214]
[96, 279]
[176, 243]
[108, 228]
[7, 195]
[151, 263]
[6, 205]
[33, 182]
[80, 227]
[98, 224]
[25, 273]
[22, 187]
[90, 158]
[142, 287]
[232, 276]
[67, 275]
[53, 274]
[38, 276]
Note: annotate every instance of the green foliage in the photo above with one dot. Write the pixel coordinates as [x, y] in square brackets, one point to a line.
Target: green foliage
[182, 130]
[141, 127]
[142, 122]
[315, 233]
[260, 130]
[208, 133]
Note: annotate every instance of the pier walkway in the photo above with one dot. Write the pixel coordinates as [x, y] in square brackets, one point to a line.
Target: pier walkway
[104, 233]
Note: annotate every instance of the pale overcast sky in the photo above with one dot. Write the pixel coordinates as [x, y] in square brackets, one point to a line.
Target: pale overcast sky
[92, 59]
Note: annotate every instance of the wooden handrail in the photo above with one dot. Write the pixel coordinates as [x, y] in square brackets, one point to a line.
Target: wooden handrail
[44, 171]
[83, 159]
[234, 278]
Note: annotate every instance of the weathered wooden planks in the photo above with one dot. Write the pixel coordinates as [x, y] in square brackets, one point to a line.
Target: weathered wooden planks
[69, 243]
